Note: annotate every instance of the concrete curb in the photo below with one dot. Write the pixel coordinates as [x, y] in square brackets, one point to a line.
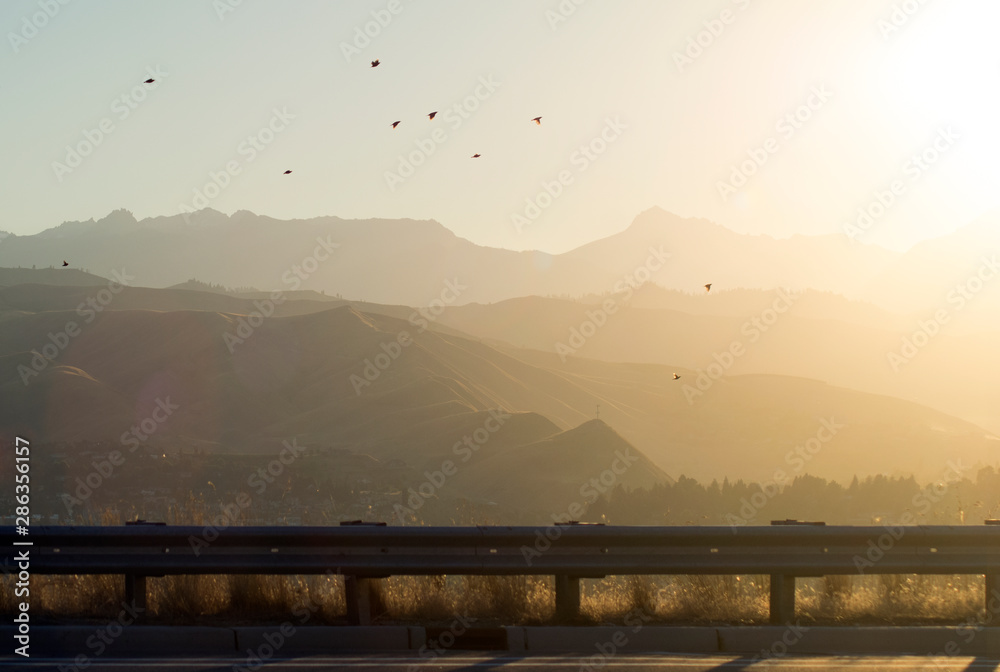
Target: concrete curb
[102, 640]
[266, 642]
[770, 641]
[608, 640]
[286, 638]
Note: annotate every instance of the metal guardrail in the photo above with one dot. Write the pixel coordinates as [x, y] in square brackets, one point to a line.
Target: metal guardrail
[366, 553]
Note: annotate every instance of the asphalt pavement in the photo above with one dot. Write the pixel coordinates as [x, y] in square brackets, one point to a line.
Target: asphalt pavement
[458, 662]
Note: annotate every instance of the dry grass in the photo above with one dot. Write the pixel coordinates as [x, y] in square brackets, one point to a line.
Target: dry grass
[891, 598]
[688, 599]
[513, 599]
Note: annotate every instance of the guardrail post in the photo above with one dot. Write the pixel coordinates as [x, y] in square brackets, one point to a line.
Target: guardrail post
[135, 593]
[783, 586]
[992, 586]
[992, 596]
[359, 591]
[567, 597]
[782, 599]
[358, 594]
[135, 584]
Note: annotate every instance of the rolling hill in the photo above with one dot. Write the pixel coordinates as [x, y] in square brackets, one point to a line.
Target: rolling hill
[348, 379]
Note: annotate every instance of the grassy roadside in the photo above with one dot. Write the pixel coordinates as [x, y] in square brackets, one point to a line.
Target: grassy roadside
[250, 599]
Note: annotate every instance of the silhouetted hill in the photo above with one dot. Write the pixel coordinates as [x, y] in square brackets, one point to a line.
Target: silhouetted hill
[817, 336]
[70, 277]
[336, 378]
[702, 252]
[572, 467]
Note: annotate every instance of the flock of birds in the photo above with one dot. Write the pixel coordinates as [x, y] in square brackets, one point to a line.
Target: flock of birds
[430, 115]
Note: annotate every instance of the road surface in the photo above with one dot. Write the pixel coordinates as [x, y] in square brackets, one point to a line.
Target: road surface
[465, 662]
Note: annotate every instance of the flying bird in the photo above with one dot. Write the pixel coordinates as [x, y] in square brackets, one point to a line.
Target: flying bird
[65, 263]
[676, 377]
[287, 172]
[395, 124]
[375, 63]
[432, 115]
[708, 287]
[538, 121]
[476, 156]
[149, 81]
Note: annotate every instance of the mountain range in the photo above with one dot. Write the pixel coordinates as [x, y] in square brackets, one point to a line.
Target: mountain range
[362, 259]
[532, 373]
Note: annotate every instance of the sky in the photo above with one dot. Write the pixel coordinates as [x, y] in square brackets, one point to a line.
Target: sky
[778, 118]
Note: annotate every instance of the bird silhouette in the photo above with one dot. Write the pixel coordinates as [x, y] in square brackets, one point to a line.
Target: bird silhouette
[476, 156]
[149, 81]
[432, 115]
[287, 172]
[65, 263]
[708, 287]
[375, 63]
[676, 377]
[538, 121]
[395, 124]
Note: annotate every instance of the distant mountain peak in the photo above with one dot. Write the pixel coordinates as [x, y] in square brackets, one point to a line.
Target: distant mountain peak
[658, 218]
[118, 217]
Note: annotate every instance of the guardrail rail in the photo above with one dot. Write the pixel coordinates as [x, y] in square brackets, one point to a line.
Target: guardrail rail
[363, 554]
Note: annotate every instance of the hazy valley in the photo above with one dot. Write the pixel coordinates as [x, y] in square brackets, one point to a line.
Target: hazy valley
[492, 392]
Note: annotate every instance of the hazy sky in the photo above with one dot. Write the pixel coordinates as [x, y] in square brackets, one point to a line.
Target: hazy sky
[672, 131]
